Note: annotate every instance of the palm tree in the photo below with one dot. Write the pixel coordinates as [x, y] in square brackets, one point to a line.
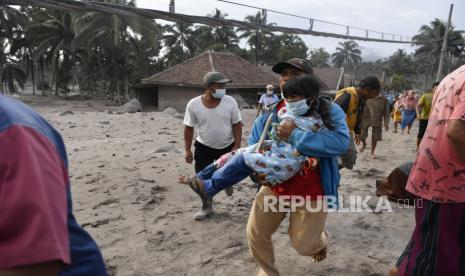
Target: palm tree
[180, 42]
[288, 46]
[319, 57]
[52, 37]
[12, 74]
[400, 63]
[113, 40]
[347, 55]
[217, 37]
[256, 39]
[433, 34]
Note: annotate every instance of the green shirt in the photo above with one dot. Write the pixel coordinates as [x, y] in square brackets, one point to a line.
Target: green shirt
[425, 101]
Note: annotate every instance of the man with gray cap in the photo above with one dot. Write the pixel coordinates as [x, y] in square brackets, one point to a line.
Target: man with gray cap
[219, 128]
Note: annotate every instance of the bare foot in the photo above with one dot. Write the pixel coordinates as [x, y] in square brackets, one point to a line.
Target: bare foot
[392, 271]
[184, 180]
[321, 255]
[361, 149]
[373, 156]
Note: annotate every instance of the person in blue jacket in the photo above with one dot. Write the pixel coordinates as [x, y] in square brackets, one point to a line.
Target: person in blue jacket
[306, 227]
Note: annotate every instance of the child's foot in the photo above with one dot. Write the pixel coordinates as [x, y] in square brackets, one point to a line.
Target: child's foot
[320, 256]
[195, 184]
[361, 149]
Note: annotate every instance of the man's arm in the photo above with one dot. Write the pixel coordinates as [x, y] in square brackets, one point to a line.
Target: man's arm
[259, 109]
[387, 115]
[357, 128]
[420, 106]
[324, 143]
[34, 231]
[188, 137]
[343, 101]
[256, 131]
[237, 133]
[456, 134]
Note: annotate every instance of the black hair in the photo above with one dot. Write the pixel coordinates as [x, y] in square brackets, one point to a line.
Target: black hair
[370, 82]
[436, 83]
[307, 86]
[302, 85]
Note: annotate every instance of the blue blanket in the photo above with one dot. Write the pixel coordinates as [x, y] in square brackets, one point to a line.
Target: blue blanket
[408, 116]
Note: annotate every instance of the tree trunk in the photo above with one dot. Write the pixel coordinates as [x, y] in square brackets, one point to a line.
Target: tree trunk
[125, 87]
[41, 68]
[33, 78]
[56, 75]
[76, 78]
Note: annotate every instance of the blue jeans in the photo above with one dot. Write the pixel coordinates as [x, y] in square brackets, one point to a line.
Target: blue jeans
[215, 180]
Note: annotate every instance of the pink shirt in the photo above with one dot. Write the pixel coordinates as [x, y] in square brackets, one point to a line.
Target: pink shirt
[437, 173]
[410, 103]
[33, 204]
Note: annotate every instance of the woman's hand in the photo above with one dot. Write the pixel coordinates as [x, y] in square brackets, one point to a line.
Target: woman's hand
[260, 179]
[285, 129]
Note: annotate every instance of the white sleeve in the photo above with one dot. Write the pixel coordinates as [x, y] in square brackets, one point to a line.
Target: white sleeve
[262, 100]
[190, 119]
[235, 112]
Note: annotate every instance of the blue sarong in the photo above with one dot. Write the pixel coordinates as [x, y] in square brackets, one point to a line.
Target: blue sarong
[408, 116]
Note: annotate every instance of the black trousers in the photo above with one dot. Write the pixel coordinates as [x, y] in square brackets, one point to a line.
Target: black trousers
[204, 155]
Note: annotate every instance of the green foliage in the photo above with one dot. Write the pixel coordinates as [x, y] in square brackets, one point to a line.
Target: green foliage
[347, 55]
[428, 54]
[399, 83]
[320, 57]
[107, 53]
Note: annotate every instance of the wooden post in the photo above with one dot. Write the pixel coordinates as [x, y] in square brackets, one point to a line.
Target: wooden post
[444, 46]
[172, 8]
[340, 79]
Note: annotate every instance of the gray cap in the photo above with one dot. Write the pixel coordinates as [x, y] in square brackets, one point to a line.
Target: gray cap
[215, 77]
[297, 63]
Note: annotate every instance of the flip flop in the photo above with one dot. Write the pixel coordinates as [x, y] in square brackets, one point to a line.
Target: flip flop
[194, 185]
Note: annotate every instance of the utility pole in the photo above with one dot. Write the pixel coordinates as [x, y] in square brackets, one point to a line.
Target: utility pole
[339, 81]
[444, 46]
[171, 6]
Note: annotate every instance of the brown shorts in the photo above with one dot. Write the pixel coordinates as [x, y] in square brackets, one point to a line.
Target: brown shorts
[376, 133]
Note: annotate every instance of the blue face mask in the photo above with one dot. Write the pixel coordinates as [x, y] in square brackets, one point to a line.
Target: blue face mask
[219, 93]
[297, 108]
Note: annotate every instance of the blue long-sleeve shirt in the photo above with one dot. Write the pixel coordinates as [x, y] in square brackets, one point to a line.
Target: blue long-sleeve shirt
[325, 144]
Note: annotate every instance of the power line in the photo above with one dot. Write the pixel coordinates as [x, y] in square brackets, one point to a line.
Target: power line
[311, 20]
[123, 10]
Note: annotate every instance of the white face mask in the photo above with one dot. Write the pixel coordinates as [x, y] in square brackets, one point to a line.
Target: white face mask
[297, 108]
[269, 92]
[219, 93]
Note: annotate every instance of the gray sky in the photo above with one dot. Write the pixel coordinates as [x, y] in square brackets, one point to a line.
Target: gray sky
[403, 17]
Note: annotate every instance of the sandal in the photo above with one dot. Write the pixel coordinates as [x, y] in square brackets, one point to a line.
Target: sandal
[194, 184]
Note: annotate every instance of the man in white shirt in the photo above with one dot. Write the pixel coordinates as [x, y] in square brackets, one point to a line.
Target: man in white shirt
[267, 99]
[219, 128]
